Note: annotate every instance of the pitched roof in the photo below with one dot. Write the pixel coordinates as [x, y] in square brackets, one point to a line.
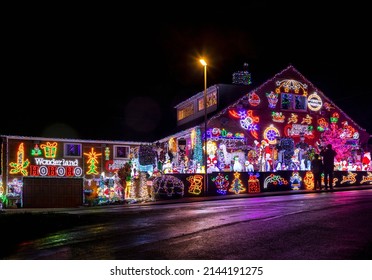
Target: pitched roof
[286, 73]
[231, 95]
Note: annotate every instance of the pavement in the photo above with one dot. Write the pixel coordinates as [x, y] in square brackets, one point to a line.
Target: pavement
[185, 200]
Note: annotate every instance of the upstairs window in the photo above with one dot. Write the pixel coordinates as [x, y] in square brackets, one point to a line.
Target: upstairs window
[293, 102]
[121, 152]
[185, 112]
[72, 150]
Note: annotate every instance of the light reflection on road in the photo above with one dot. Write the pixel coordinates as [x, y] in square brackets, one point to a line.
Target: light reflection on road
[127, 228]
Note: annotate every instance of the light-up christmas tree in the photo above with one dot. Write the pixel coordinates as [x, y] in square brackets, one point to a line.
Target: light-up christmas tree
[198, 148]
[237, 184]
[124, 173]
[143, 189]
[93, 161]
[134, 189]
[339, 144]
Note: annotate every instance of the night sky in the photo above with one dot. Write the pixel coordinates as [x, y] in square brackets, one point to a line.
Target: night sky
[116, 74]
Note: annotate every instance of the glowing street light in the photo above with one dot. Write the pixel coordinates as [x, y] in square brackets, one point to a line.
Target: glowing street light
[204, 63]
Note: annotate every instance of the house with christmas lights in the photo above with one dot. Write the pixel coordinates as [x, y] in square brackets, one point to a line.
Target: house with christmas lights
[265, 139]
[254, 139]
[52, 172]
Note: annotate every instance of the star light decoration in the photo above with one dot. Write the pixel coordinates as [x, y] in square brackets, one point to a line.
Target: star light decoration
[92, 160]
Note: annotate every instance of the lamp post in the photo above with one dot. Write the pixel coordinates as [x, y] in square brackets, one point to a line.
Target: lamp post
[205, 153]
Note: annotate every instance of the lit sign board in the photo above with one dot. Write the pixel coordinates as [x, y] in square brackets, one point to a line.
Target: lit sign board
[314, 102]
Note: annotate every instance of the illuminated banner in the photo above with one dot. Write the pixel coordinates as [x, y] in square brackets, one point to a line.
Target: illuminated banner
[291, 130]
[46, 167]
[114, 165]
[63, 162]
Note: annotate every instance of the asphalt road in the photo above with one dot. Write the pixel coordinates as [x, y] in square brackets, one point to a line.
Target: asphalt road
[308, 226]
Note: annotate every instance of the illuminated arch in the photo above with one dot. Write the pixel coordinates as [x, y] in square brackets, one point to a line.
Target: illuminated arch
[289, 84]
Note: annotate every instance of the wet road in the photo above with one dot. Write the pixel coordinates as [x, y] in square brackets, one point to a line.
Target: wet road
[327, 225]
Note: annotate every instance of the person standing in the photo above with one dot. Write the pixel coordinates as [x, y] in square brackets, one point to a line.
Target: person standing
[328, 155]
[317, 169]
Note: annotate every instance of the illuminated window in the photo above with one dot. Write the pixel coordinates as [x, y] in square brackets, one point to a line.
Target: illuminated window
[211, 100]
[121, 152]
[293, 102]
[185, 112]
[72, 150]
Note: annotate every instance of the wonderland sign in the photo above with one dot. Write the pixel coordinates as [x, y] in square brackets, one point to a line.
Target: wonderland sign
[55, 167]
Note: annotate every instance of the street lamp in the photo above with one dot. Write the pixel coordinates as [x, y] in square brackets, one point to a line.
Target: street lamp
[202, 61]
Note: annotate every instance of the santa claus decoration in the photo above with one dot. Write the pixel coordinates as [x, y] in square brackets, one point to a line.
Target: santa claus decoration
[366, 161]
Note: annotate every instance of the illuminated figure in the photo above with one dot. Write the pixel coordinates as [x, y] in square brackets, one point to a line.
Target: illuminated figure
[248, 166]
[237, 167]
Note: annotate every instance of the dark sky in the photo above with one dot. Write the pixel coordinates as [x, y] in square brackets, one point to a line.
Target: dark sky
[109, 73]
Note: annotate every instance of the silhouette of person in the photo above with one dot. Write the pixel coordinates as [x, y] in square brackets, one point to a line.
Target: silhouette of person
[328, 155]
[317, 169]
